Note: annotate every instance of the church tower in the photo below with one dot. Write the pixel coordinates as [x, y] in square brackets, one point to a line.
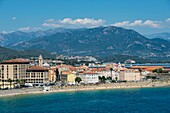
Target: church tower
[40, 61]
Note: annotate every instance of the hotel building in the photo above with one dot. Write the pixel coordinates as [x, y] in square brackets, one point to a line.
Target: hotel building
[14, 69]
[37, 75]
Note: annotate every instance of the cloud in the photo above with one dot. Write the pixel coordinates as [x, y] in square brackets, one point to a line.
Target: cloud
[71, 23]
[168, 20]
[14, 18]
[121, 24]
[50, 20]
[136, 23]
[4, 32]
[147, 23]
[26, 29]
[153, 24]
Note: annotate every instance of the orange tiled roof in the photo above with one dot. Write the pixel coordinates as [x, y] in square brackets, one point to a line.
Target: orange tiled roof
[144, 67]
[66, 72]
[33, 68]
[19, 60]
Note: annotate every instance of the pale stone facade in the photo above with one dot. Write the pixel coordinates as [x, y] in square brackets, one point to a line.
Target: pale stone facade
[37, 75]
[89, 77]
[14, 70]
[129, 75]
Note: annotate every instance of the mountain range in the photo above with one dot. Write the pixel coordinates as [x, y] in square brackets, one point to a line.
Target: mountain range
[19, 36]
[100, 41]
[165, 36]
[6, 54]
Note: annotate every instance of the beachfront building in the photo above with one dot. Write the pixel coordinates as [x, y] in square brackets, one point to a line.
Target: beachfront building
[52, 74]
[12, 70]
[106, 72]
[89, 77]
[68, 77]
[37, 75]
[129, 75]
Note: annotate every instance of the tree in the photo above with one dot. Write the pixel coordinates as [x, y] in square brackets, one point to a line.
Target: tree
[78, 79]
[18, 82]
[100, 78]
[103, 78]
[160, 70]
[10, 81]
[111, 69]
[22, 82]
[109, 78]
[116, 79]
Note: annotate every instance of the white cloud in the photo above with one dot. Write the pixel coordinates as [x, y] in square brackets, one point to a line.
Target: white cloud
[122, 24]
[148, 23]
[4, 32]
[77, 23]
[50, 20]
[26, 29]
[136, 23]
[153, 24]
[168, 20]
[14, 18]
[51, 25]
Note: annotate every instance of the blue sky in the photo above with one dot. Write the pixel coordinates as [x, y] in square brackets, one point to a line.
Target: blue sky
[144, 16]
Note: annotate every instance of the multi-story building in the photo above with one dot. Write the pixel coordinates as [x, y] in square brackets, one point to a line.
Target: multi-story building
[13, 70]
[37, 75]
[89, 77]
[129, 75]
[52, 74]
[68, 77]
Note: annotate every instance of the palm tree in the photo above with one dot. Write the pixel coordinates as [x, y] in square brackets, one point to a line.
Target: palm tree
[116, 78]
[111, 69]
[18, 82]
[3, 83]
[23, 82]
[10, 81]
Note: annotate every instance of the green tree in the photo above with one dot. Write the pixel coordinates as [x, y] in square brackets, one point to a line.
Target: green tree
[100, 78]
[18, 82]
[103, 79]
[160, 70]
[10, 81]
[78, 79]
[116, 79]
[111, 69]
[109, 78]
[22, 82]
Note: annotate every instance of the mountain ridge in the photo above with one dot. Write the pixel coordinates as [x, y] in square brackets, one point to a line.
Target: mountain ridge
[98, 41]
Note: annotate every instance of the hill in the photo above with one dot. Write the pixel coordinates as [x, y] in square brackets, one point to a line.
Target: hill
[19, 36]
[11, 54]
[100, 41]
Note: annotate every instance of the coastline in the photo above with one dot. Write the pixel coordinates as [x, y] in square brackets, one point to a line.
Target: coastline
[129, 85]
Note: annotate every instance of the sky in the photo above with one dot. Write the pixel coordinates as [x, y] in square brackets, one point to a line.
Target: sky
[144, 16]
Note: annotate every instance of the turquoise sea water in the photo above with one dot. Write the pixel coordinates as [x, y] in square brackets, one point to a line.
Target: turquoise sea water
[145, 100]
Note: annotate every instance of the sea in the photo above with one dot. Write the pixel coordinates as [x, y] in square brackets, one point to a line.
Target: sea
[139, 100]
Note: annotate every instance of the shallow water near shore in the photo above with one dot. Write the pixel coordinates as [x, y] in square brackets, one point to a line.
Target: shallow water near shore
[142, 100]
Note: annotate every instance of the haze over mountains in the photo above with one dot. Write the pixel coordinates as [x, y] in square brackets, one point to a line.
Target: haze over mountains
[165, 36]
[100, 41]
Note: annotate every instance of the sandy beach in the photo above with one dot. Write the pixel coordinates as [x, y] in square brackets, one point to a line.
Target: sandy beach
[55, 89]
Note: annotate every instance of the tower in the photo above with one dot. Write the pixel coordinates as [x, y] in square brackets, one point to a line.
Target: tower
[40, 61]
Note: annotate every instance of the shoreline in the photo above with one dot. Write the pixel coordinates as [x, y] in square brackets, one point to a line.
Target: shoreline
[27, 91]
